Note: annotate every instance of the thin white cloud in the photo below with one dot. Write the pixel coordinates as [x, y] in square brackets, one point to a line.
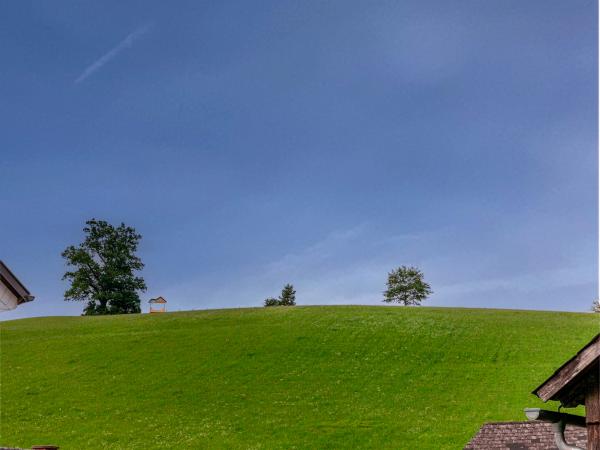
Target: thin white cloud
[523, 284]
[112, 53]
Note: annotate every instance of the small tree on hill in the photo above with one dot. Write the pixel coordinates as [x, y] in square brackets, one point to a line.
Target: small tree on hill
[406, 286]
[104, 267]
[271, 302]
[288, 296]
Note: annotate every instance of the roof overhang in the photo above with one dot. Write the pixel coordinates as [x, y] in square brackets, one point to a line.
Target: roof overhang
[569, 382]
[13, 284]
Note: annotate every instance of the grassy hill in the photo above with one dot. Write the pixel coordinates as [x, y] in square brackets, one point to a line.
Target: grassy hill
[303, 377]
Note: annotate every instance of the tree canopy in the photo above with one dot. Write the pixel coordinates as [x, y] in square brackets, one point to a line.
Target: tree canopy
[103, 269]
[406, 286]
[288, 296]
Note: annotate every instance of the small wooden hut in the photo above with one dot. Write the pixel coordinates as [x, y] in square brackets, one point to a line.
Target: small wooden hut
[12, 291]
[158, 305]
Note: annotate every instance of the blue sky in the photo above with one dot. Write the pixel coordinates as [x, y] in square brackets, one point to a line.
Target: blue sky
[318, 143]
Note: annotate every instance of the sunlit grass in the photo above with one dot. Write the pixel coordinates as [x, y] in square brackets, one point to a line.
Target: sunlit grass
[302, 377]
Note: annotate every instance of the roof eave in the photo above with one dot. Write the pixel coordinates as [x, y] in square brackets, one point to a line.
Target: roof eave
[570, 371]
[14, 284]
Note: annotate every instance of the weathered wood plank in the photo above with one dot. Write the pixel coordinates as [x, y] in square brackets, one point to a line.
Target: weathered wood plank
[569, 371]
[592, 416]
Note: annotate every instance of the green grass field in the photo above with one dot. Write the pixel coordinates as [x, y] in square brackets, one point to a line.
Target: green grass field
[303, 377]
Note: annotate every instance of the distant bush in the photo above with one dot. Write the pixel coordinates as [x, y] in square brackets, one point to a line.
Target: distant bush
[287, 297]
[271, 302]
[596, 306]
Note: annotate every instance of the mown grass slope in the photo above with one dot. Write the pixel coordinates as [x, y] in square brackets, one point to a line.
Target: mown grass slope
[302, 377]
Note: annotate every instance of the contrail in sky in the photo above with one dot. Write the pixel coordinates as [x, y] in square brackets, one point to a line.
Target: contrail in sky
[112, 53]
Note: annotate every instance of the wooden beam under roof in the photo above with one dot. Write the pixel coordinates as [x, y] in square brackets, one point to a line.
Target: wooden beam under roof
[13, 284]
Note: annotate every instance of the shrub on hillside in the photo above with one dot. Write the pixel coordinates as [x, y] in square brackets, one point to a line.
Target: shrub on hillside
[287, 297]
[271, 302]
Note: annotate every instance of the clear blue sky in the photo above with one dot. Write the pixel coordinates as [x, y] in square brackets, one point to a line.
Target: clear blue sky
[318, 143]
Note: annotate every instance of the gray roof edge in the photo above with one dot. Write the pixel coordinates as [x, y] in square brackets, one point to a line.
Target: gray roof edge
[15, 284]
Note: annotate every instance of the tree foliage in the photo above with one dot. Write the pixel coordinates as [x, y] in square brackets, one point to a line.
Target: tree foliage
[406, 286]
[103, 269]
[596, 306]
[287, 297]
[271, 302]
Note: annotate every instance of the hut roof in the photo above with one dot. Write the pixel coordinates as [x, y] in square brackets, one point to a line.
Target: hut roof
[567, 384]
[157, 300]
[523, 436]
[12, 283]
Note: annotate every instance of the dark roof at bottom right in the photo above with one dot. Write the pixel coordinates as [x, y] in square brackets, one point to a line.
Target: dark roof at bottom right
[523, 436]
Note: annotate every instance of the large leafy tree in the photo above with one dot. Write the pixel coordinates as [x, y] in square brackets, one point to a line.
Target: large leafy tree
[406, 286]
[103, 269]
